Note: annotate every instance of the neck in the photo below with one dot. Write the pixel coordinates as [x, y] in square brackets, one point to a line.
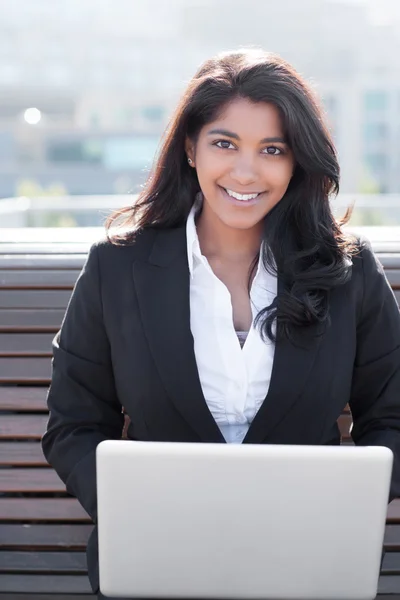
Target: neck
[218, 240]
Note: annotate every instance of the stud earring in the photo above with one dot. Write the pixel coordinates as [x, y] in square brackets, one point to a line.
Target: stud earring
[190, 161]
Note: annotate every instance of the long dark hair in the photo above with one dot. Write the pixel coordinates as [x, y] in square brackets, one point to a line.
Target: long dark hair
[305, 244]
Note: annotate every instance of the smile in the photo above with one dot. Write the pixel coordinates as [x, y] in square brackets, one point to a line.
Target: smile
[242, 197]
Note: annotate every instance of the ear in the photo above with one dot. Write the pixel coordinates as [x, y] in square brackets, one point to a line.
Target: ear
[190, 151]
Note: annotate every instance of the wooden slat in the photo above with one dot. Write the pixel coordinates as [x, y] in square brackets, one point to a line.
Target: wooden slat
[38, 279]
[34, 278]
[74, 255]
[390, 260]
[80, 583]
[42, 509]
[42, 562]
[392, 538]
[55, 596]
[25, 370]
[25, 344]
[19, 509]
[38, 299]
[391, 563]
[393, 276]
[23, 319]
[30, 480]
[45, 584]
[29, 427]
[88, 595]
[65, 509]
[389, 584]
[42, 261]
[66, 278]
[388, 257]
[385, 247]
[45, 537]
[32, 426]
[21, 454]
[23, 398]
[17, 562]
[393, 512]
[344, 423]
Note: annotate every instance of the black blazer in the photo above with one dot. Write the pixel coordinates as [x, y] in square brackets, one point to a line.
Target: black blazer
[125, 341]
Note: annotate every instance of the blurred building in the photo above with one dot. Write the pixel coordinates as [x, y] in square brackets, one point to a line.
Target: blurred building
[106, 74]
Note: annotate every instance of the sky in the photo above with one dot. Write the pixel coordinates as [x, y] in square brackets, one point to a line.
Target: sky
[381, 12]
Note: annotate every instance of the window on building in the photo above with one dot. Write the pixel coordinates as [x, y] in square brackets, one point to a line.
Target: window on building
[125, 116]
[74, 151]
[375, 131]
[129, 152]
[153, 113]
[375, 100]
[376, 162]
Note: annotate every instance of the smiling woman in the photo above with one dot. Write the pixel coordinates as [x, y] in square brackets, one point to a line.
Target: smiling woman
[227, 304]
[249, 124]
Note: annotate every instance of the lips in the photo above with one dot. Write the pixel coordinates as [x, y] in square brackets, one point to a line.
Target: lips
[242, 196]
[241, 202]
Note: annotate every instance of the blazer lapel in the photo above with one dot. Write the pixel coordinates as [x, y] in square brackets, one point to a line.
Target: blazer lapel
[291, 369]
[163, 291]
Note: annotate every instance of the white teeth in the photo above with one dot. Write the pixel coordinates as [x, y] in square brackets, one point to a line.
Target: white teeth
[241, 196]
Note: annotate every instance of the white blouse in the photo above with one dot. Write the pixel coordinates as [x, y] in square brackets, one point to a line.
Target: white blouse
[234, 380]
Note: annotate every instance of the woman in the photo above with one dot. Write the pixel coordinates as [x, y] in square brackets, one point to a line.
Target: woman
[228, 305]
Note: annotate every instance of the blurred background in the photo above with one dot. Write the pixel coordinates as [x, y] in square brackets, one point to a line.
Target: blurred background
[87, 88]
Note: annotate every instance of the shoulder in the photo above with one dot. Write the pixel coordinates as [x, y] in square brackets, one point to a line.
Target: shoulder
[110, 252]
[370, 283]
[364, 260]
[364, 274]
[159, 246]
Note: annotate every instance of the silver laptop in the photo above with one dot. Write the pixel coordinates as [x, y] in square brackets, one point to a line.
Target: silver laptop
[179, 520]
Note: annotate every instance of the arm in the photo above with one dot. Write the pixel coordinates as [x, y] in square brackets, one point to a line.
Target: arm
[83, 405]
[375, 395]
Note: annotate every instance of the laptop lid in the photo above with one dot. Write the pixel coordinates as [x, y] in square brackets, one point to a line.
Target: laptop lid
[179, 520]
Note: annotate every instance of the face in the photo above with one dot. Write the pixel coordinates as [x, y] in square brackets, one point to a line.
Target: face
[243, 163]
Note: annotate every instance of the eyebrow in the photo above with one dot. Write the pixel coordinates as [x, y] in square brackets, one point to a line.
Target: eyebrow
[236, 137]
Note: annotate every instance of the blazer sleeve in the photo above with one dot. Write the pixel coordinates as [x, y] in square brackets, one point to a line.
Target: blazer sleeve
[375, 394]
[82, 400]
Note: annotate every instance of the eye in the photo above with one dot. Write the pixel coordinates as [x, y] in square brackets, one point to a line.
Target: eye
[273, 150]
[226, 147]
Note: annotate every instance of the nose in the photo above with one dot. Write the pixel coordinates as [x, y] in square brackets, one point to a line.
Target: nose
[244, 171]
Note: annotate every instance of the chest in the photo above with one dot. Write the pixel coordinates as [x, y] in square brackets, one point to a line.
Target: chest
[157, 370]
[235, 278]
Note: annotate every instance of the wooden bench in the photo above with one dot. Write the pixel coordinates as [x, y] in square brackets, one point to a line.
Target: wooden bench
[43, 531]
